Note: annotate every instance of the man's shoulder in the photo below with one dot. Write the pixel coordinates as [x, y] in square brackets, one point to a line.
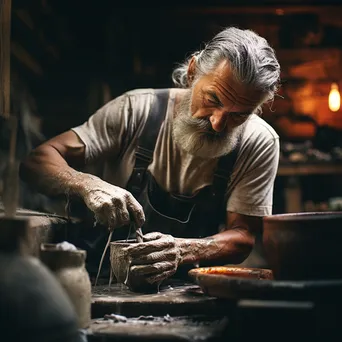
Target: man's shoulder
[140, 98]
[140, 92]
[144, 93]
[131, 101]
[257, 129]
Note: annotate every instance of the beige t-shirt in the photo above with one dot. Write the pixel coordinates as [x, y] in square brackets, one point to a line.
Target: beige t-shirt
[110, 138]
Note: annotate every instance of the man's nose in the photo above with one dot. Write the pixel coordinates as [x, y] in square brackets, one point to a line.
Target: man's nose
[218, 121]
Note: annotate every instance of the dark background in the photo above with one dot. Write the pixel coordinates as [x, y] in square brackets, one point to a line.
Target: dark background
[71, 57]
[75, 55]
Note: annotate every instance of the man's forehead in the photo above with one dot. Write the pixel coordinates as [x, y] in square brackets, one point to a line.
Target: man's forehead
[224, 79]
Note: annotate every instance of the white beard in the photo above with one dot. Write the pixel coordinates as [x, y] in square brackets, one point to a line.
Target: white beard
[197, 137]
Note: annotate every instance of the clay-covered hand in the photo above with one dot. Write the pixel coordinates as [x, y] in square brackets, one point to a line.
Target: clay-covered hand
[155, 259]
[113, 206]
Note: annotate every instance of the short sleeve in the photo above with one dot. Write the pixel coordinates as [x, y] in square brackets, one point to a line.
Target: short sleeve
[253, 193]
[104, 131]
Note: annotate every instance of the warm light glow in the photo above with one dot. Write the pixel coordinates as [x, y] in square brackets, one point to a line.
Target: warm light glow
[334, 98]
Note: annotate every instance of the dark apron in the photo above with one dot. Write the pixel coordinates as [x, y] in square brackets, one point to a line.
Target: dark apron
[194, 216]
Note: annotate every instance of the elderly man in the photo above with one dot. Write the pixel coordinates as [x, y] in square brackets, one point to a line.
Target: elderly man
[193, 165]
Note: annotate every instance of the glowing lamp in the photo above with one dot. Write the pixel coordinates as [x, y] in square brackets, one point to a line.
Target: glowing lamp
[334, 98]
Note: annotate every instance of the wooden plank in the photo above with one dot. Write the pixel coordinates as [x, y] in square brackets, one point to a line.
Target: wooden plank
[25, 57]
[25, 17]
[33, 38]
[276, 9]
[306, 55]
[5, 66]
[309, 169]
[176, 300]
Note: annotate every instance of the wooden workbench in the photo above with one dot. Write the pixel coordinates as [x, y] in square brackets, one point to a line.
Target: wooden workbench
[44, 228]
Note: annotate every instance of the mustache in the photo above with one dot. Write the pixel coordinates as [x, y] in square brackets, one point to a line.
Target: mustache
[204, 128]
[196, 135]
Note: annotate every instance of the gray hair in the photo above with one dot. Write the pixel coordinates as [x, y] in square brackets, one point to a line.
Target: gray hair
[252, 60]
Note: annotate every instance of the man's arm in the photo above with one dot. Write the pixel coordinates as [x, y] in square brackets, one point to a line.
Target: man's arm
[231, 246]
[162, 254]
[251, 195]
[49, 169]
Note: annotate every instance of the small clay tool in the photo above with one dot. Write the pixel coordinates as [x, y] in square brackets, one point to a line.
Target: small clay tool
[139, 235]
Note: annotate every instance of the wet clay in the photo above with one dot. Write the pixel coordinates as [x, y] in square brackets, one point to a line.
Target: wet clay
[143, 266]
[121, 261]
[112, 206]
[139, 235]
[157, 259]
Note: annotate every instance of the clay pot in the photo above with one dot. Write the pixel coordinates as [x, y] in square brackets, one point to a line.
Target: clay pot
[68, 266]
[34, 307]
[232, 271]
[120, 264]
[304, 246]
[224, 281]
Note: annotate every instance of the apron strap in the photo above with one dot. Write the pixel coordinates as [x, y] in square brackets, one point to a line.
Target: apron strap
[225, 166]
[222, 176]
[147, 141]
[145, 149]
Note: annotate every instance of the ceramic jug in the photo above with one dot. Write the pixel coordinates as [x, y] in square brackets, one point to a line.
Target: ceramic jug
[34, 306]
[68, 266]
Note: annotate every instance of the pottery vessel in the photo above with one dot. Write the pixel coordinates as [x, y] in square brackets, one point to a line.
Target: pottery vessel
[68, 266]
[120, 264]
[304, 246]
[34, 307]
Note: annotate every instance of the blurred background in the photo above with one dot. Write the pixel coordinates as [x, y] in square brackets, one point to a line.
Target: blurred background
[68, 58]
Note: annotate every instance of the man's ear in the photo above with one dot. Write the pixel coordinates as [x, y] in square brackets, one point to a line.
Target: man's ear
[191, 70]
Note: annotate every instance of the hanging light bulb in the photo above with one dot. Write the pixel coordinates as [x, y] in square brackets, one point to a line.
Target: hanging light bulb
[334, 98]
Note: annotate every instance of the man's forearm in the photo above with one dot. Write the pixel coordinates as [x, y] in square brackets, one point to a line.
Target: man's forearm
[230, 246]
[50, 174]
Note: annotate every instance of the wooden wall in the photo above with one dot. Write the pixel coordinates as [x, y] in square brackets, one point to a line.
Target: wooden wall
[78, 61]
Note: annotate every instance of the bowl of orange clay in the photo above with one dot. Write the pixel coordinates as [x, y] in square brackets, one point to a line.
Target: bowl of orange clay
[223, 281]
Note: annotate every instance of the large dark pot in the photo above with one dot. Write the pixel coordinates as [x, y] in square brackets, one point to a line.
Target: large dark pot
[304, 246]
[34, 307]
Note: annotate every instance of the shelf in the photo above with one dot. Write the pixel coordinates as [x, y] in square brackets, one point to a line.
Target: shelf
[309, 169]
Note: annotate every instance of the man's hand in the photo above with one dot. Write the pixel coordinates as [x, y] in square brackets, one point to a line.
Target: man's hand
[155, 259]
[113, 206]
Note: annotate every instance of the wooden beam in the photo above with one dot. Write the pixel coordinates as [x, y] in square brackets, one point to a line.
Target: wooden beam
[5, 66]
[253, 10]
[25, 16]
[309, 169]
[24, 57]
[33, 39]
[303, 55]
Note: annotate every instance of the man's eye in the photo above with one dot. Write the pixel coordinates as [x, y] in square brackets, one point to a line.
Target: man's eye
[211, 101]
[240, 116]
